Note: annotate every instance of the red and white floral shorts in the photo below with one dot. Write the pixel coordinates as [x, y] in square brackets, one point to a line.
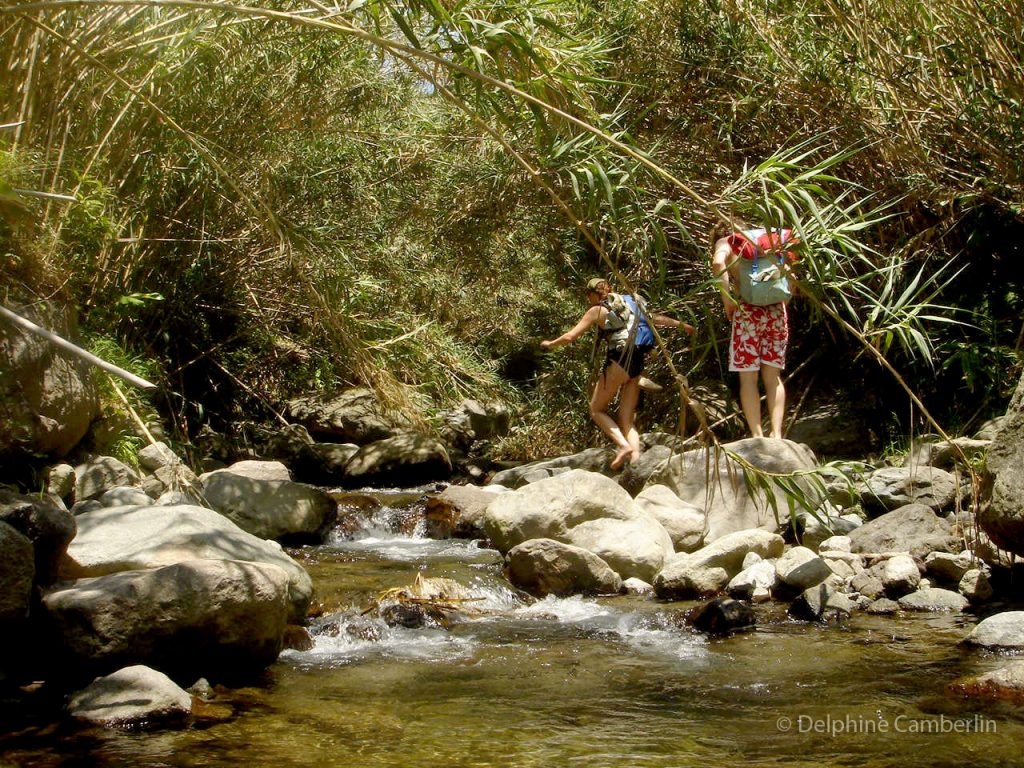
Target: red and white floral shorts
[759, 337]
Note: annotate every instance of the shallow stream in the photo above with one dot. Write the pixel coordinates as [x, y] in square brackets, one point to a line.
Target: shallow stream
[560, 682]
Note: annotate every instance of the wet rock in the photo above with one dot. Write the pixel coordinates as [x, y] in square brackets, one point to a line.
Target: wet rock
[405, 615]
[722, 616]
[297, 638]
[933, 599]
[821, 603]
[403, 460]
[1006, 683]
[458, 512]
[715, 483]
[201, 617]
[1002, 631]
[132, 696]
[800, 568]
[914, 528]
[638, 587]
[900, 576]
[891, 488]
[354, 416]
[683, 522]
[975, 586]
[270, 509]
[545, 566]
[17, 570]
[591, 460]
[98, 475]
[129, 538]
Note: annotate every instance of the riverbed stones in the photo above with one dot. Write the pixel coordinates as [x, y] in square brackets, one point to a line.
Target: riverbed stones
[754, 582]
[130, 538]
[270, 509]
[637, 546]
[135, 695]
[60, 482]
[48, 398]
[933, 599]
[193, 618]
[914, 528]
[1006, 682]
[100, 474]
[400, 461]
[900, 576]
[1002, 513]
[545, 566]
[890, 488]
[709, 479]
[800, 569]
[709, 569]
[591, 460]
[684, 522]
[1002, 631]
[17, 569]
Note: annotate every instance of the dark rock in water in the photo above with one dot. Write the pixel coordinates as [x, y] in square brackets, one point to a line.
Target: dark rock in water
[404, 615]
[722, 616]
[297, 638]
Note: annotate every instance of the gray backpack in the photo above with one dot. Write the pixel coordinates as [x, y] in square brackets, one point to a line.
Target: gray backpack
[762, 279]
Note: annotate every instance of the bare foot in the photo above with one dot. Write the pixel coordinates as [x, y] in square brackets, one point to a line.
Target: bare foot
[621, 456]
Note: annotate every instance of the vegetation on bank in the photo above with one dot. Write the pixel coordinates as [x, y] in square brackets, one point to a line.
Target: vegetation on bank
[273, 198]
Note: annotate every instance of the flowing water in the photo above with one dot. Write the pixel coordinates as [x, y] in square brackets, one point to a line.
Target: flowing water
[560, 682]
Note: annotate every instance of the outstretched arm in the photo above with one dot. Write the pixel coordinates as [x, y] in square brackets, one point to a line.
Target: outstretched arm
[591, 317]
[664, 321]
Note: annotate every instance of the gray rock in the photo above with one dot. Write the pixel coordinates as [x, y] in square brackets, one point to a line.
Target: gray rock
[457, 511]
[270, 509]
[122, 496]
[801, 569]
[722, 617]
[883, 607]
[868, 584]
[546, 566]
[259, 470]
[1002, 511]
[199, 617]
[48, 399]
[636, 474]
[947, 568]
[591, 460]
[1000, 631]
[709, 569]
[60, 482]
[975, 586]
[355, 416]
[821, 603]
[638, 587]
[99, 475]
[900, 576]
[890, 488]
[714, 482]
[933, 451]
[130, 538]
[933, 599]
[399, 461]
[836, 544]
[990, 428]
[156, 455]
[685, 581]
[830, 429]
[177, 477]
[17, 569]
[684, 522]
[136, 695]
[1006, 682]
[758, 578]
[914, 528]
[47, 526]
[823, 525]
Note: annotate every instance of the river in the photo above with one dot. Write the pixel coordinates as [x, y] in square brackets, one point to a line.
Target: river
[597, 682]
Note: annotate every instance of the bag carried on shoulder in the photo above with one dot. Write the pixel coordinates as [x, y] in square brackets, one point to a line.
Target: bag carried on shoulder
[626, 323]
[763, 280]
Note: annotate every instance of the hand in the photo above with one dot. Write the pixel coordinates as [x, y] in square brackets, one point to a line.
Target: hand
[730, 307]
[688, 329]
[546, 344]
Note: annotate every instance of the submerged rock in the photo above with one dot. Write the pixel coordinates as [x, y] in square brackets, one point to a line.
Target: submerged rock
[1007, 682]
[722, 617]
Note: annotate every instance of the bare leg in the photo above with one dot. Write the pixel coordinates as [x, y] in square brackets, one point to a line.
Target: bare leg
[608, 384]
[775, 396]
[628, 398]
[750, 400]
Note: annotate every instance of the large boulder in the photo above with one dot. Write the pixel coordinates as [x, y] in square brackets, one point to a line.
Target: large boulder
[709, 569]
[458, 511]
[1001, 631]
[191, 619]
[402, 460]
[131, 538]
[546, 566]
[914, 528]
[270, 509]
[48, 399]
[890, 488]
[47, 526]
[591, 460]
[1002, 512]
[17, 570]
[684, 522]
[354, 416]
[133, 696]
[585, 509]
[708, 478]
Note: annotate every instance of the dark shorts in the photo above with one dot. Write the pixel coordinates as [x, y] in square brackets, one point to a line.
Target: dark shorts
[630, 358]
